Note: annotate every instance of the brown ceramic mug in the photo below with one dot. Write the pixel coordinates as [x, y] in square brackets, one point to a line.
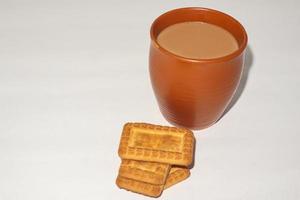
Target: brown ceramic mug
[194, 93]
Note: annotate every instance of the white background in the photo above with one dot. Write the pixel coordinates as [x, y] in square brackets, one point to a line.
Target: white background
[73, 72]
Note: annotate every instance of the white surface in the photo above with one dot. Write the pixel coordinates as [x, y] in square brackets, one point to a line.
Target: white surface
[73, 72]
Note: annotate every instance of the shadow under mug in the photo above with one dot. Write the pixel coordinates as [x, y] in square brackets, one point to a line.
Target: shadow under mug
[194, 93]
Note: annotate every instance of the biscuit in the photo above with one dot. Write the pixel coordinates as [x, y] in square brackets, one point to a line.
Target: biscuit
[176, 175]
[149, 172]
[154, 143]
[139, 187]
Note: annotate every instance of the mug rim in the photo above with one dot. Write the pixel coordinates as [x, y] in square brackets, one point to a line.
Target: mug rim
[217, 59]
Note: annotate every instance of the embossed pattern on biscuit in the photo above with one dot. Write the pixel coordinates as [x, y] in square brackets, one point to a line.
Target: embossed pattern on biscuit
[139, 187]
[150, 172]
[147, 142]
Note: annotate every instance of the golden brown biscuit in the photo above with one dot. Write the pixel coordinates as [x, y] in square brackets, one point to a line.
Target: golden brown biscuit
[149, 172]
[176, 175]
[154, 143]
[139, 187]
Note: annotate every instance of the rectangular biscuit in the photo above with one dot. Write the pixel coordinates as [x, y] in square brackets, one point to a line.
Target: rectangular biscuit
[154, 143]
[139, 187]
[149, 172]
[176, 175]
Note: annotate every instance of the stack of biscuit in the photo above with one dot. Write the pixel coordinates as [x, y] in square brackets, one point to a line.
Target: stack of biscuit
[154, 157]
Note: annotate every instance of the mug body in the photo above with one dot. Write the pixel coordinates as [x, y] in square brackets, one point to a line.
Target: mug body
[194, 93]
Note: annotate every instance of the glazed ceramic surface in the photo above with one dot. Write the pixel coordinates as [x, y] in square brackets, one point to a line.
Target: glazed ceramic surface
[194, 93]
